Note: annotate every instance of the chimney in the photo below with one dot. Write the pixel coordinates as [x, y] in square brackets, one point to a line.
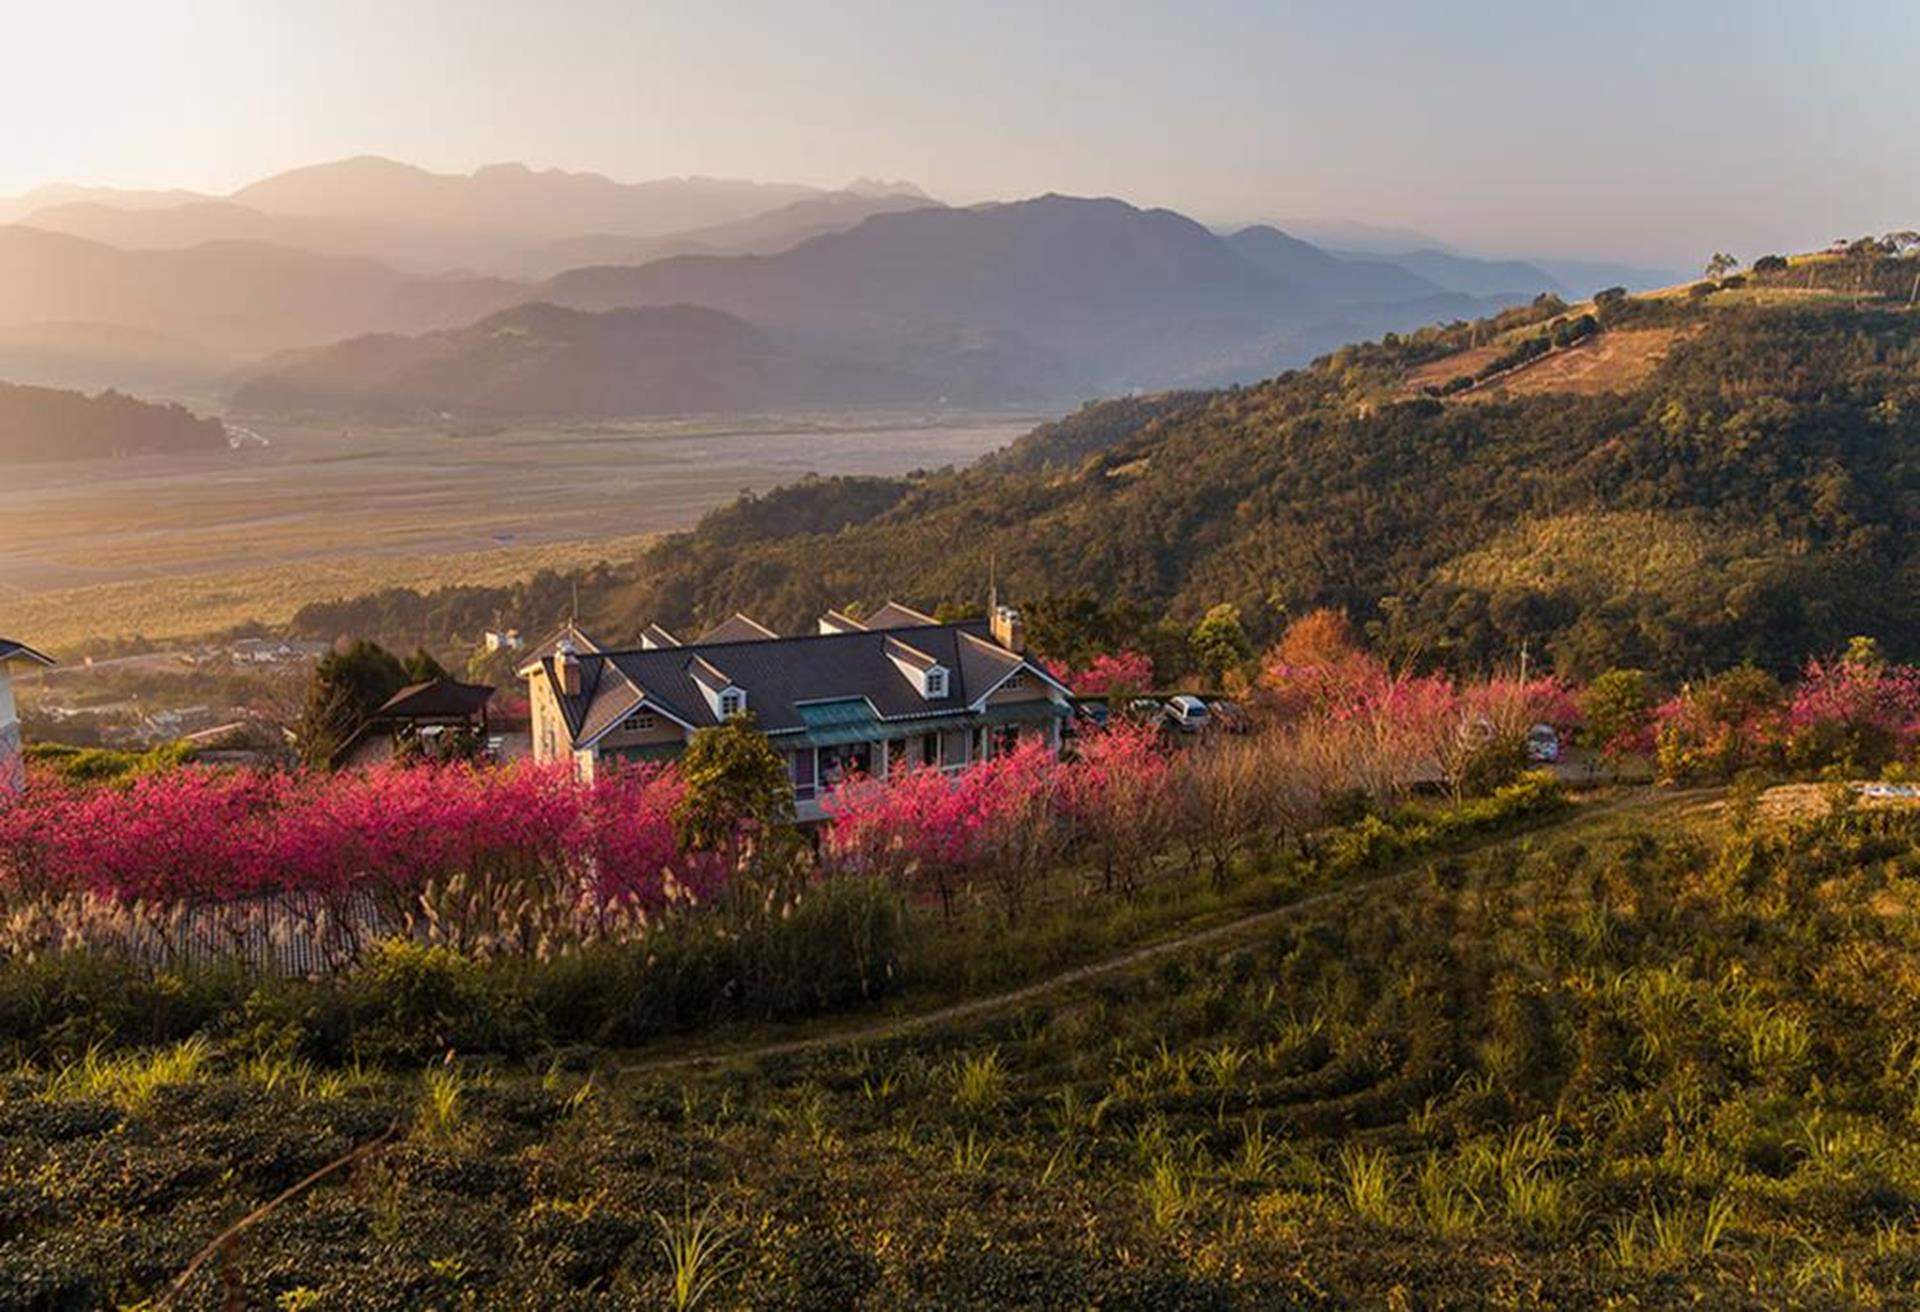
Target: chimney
[566, 664]
[1008, 630]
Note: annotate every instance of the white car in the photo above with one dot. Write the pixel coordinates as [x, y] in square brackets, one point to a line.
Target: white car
[1543, 744]
[1189, 714]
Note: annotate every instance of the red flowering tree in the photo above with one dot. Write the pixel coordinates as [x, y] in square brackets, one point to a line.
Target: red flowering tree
[1855, 710]
[1115, 675]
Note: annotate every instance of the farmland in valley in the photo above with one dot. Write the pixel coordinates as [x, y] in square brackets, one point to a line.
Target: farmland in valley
[176, 546]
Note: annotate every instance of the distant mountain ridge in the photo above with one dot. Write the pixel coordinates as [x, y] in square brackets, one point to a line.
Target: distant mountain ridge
[1046, 299]
[1055, 297]
[545, 360]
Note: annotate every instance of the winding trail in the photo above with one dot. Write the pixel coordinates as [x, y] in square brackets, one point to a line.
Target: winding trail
[877, 1031]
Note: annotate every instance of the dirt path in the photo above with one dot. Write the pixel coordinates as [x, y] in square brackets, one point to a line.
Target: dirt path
[893, 1027]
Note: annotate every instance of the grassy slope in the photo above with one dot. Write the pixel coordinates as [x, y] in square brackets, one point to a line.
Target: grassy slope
[1617, 1061]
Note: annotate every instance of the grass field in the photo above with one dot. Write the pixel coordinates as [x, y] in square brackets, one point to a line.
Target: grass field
[1615, 361]
[1651, 1055]
[200, 543]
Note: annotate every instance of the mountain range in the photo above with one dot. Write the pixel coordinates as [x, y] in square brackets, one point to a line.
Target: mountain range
[1042, 299]
[1046, 299]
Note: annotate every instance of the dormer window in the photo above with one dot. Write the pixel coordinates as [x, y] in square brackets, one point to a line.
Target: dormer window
[936, 680]
[732, 702]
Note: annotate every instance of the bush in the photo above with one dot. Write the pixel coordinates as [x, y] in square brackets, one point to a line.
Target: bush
[412, 1003]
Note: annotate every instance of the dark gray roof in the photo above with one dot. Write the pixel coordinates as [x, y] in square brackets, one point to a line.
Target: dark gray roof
[436, 699]
[910, 655]
[19, 651]
[780, 673]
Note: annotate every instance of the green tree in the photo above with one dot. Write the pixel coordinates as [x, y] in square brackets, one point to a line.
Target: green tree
[1219, 642]
[348, 684]
[1617, 706]
[1721, 265]
[739, 794]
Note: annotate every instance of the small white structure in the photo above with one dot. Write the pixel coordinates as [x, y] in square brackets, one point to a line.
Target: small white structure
[13, 770]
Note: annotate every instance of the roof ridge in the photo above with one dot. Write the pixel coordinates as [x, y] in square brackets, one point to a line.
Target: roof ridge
[958, 626]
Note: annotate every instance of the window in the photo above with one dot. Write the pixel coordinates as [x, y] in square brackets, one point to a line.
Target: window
[936, 682]
[1015, 682]
[638, 722]
[732, 702]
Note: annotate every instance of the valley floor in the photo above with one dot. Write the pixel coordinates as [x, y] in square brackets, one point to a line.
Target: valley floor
[181, 546]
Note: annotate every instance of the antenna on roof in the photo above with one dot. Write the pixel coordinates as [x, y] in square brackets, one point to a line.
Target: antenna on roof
[993, 589]
[573, 614]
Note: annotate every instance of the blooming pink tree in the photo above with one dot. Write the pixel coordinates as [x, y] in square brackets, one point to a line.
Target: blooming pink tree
[516, 853]
[1854, 710]
[1118, 674]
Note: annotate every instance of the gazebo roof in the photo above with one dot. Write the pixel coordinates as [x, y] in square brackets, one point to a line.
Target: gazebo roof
[436, 699]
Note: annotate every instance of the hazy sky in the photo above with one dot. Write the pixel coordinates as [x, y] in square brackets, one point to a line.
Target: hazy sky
[1657, 131]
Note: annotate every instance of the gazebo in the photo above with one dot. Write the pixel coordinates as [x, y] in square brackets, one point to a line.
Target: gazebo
[420, 717]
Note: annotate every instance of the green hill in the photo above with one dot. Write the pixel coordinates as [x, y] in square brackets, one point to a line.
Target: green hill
[1747, 492]
[1752, 497]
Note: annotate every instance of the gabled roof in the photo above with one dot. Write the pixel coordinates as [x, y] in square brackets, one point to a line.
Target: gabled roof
[781, 675]
[568, 633]
[19, 651]
[893, 615]
[909, 656]
[736, 628]
[655, 636]
[838, 621]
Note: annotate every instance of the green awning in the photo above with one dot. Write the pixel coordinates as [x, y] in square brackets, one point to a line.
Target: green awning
[851, 720]
[1033, 712]
[651, 752]
[832, 724]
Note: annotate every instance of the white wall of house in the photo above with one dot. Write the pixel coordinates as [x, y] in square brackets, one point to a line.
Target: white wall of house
[12, 768]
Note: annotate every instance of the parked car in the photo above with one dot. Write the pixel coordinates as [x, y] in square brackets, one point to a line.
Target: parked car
[1187, 713]
[1543, 744]
[1090, 715]
[1144, 709]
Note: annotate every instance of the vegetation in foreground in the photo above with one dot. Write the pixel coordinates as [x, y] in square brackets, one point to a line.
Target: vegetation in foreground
[1645, 1060]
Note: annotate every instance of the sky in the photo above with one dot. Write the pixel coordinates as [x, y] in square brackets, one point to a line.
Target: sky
[1655, 132]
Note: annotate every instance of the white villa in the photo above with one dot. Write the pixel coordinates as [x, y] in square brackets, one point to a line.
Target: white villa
[857, 696]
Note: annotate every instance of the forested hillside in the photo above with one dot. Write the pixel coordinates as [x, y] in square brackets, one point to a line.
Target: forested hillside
[44, 423]
[1754, 498]
[1750, 495]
